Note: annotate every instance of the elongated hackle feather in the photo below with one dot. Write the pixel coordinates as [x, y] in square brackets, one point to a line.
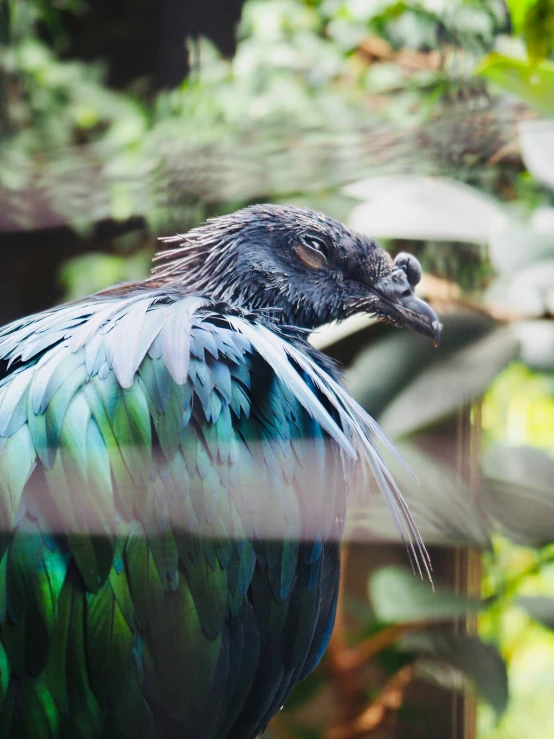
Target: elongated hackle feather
[175, 464]
[178, 322]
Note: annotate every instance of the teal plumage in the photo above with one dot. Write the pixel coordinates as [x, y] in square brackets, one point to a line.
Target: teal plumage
[121, 484]
[172, 498]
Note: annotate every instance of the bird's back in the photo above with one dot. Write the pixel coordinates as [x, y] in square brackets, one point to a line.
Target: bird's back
[172, 493]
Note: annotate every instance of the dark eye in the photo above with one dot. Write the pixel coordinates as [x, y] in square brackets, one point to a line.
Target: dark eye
[311, 252]
[314, 243]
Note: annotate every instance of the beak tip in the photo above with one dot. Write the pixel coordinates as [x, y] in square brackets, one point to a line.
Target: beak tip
[396, 301]
[437, 329]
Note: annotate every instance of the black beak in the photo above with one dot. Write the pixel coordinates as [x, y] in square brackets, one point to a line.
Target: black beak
[395, 301]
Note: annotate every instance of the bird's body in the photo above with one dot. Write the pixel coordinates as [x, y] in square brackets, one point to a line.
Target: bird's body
[174, 462]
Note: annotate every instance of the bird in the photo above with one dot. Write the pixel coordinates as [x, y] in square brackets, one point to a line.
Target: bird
[175, 466]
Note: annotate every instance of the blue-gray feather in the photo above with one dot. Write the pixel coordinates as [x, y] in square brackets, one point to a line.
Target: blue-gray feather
[171, 502]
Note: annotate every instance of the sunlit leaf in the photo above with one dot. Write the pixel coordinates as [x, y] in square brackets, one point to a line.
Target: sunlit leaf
[532, 83]
[397, 596]
[438, 392]
[518, 10]
[514, 243]
[519, 407]
[528, 293]
[479, 661]
[542, 221]
[537, 146]
[536, 340]
[415, 207]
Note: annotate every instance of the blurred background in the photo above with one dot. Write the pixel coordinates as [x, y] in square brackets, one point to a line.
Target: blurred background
[427, 124]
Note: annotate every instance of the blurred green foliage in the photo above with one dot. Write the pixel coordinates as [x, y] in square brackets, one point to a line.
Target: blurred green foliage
[297, 91]
[519, 410]
[321, 93]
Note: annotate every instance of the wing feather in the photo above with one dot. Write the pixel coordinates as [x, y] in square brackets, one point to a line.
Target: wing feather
[171, 488]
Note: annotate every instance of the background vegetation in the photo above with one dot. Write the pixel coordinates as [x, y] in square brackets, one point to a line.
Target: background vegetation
[429, 124]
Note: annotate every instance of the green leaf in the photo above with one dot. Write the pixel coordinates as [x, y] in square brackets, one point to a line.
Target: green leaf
[518, 10]
[458, 379]
[536, 139]
[529, 292]
[537, 344]
[432, 208]
[387, 366]
[443, 506]
[538, 29]
[514, 244]
[397, 596]
[88, 273]
[532, 83]
[540, 608]
[517, 492]
[469, 655]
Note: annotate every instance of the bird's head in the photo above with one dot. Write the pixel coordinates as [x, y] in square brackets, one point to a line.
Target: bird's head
[306, 268]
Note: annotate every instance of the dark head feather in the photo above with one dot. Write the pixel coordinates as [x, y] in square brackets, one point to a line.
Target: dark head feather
[304, 268]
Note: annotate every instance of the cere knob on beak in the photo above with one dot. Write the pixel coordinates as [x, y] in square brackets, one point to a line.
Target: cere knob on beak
[409, 264]
[397, 302]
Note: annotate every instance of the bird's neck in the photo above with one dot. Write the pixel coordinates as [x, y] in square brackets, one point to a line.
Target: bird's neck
[218, 266]
[256, 291]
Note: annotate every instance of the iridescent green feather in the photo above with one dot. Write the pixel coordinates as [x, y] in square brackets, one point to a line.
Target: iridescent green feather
[156, 481]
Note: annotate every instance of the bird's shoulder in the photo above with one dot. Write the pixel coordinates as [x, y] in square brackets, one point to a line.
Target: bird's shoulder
[172, 402]
[153, 341]
[145, 319]
[165, 468]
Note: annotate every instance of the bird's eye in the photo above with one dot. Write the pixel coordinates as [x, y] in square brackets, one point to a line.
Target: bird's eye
[311, 252]
[314, 243]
